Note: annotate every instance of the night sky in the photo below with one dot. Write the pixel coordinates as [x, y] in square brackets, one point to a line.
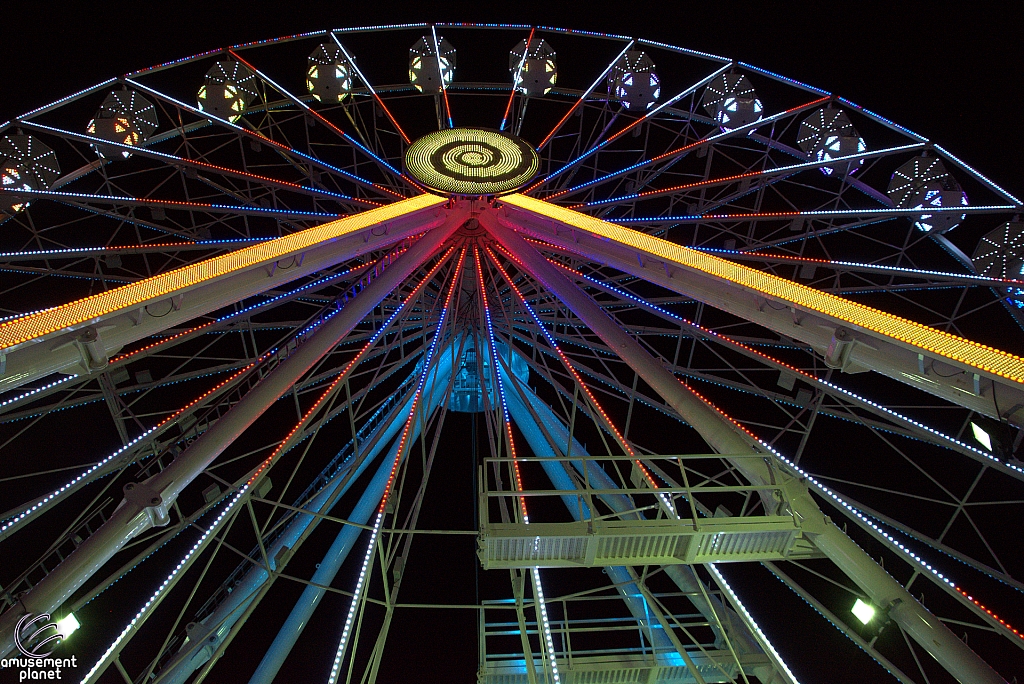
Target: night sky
[949, 71]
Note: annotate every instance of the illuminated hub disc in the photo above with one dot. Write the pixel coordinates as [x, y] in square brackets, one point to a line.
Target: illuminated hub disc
[471, 162]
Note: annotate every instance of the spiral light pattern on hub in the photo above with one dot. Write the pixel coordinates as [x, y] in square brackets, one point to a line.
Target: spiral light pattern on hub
[471, 161]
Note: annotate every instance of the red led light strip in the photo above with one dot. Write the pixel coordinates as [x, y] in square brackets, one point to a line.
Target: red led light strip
[676, 188]
[579, 381]
[508, 425]
[419, 391]
[122, 357]
[678, 150]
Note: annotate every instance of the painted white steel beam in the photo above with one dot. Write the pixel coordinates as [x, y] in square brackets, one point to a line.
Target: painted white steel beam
[849, 336]
[80, 337]
[146, 503]
[727, 438]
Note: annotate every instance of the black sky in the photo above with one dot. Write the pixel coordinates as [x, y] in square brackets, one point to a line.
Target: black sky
[949, 71]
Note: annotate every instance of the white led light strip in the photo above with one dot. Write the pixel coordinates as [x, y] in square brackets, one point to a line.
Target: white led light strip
[751, 622]
[535, 571]
[158, 594]
[361, 581]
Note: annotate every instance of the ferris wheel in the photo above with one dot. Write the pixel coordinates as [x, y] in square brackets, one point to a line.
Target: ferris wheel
[531, 354]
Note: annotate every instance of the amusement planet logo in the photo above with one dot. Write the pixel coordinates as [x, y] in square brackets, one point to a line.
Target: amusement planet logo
[36, 638]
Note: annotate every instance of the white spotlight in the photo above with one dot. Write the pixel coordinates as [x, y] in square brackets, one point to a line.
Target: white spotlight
[67, 625]
[981, 436]
[864, 611]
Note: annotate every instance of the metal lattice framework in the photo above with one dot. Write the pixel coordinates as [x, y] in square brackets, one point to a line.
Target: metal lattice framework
[726, 349]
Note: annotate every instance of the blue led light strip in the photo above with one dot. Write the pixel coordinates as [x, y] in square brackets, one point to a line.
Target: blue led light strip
[33, 392]
[982, 280]
[601, 145]
[71, 252]
[72, 96]
[881, 119]
[375, 530]
[596, 34]
[262, 138]
[783, 215]
[685, 51]
[535, 571]
[1013, 470]
[785, 79]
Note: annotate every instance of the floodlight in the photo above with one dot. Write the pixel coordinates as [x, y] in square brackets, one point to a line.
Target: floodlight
[981, 435]
[67, 625]
[865, 612]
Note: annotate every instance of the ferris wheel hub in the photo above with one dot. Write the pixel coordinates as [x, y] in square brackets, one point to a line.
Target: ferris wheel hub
[471, 162]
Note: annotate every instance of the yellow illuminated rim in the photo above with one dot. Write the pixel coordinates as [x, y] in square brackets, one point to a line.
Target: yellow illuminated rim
[136, 294]
[980, 356]
[471, 162]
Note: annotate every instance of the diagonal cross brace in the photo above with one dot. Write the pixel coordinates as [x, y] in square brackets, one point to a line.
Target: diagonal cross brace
[848, 335]
[147, 503]
[80, 336]
[727, 438]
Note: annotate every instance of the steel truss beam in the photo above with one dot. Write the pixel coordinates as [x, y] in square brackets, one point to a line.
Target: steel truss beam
[81, 336]
[147, 503]
[726, 437]
[851, 337]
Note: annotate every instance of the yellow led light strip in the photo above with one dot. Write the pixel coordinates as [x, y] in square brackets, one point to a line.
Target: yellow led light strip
[980, 356]
[33, 326]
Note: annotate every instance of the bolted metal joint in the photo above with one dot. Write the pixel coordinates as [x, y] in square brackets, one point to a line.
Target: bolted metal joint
[149, 502]
[839, 348]
[94, 355]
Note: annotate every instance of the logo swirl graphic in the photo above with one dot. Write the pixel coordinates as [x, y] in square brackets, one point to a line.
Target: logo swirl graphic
[471, 162]
[34, 645]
